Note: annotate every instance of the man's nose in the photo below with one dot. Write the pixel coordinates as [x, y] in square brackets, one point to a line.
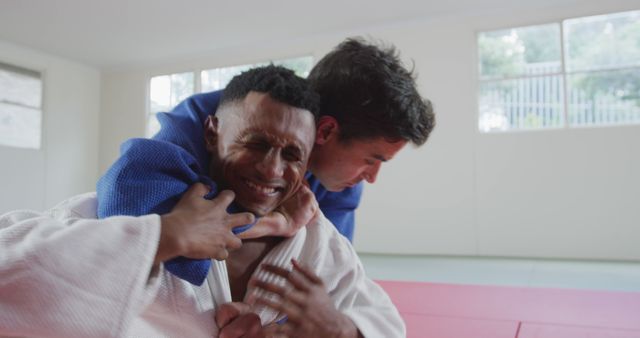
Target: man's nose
[271, 165]
[371, 173]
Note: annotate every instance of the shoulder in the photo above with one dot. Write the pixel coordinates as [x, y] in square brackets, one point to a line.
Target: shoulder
[194, 108]
[79, 206]
[324, 242]
[207, 102]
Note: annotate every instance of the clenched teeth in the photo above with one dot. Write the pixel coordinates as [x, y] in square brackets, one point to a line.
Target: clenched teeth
[260, 188]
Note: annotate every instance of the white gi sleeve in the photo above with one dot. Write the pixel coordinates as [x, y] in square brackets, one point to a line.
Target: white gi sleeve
[354, 294]
[65, 274]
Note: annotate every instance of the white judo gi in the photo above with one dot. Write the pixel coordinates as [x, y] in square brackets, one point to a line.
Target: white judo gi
[65, 274]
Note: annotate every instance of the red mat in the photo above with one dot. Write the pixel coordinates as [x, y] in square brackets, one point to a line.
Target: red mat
[434, 310]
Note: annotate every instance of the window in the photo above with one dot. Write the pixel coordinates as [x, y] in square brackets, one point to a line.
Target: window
[20, 107]
[166, 91]
[580, 72]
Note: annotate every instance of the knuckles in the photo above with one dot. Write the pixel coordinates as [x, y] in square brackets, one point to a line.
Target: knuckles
[226, 195]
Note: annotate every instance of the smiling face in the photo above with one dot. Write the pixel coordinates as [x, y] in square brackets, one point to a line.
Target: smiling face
[260, 148]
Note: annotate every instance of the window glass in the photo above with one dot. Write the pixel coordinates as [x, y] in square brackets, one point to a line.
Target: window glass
[604, 98]
[603, 41]
[527, 83]
[526, 103]
[165, 92]
[20, 107]
[522, 51]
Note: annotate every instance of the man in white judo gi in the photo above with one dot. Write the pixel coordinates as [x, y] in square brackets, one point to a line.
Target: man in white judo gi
[63, 273]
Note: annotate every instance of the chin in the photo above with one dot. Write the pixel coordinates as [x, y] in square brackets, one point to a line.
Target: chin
[336, 188]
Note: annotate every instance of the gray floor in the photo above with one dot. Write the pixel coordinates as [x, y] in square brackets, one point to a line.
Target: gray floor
[614, 276]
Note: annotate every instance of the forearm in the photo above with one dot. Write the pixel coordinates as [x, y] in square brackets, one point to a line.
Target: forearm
[168, 245]
[73, 277]
[274, 224]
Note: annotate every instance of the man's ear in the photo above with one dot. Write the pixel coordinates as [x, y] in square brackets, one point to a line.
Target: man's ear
[326, 129]
[211, 133]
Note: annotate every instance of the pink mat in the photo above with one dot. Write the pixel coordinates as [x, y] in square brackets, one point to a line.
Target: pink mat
[529, 330]
[473, 311]
[454, 327]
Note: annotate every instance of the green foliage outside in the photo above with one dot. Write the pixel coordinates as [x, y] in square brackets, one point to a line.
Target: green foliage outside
[593, 46]
[603, 44]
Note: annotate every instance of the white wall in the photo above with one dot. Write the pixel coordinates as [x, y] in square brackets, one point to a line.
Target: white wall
[67, 163]
[122, 114]
[564, 194]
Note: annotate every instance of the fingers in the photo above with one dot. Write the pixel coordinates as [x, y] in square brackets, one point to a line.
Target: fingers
[290, 309]
[308, 199]
[287, 294]
[271, 287]
[220, 254]
[194, 193]
[279, 331]
[197, 189]
[310, 275]
[306, 183]
[294, 278]
[305, 196]
[229, 311]
[242, 218]
[246, 325]
[232, 241]
[224, 198]
[305, 187]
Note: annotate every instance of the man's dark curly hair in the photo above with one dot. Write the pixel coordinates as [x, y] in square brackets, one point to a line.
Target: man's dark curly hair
[369, 92]
[280, 83]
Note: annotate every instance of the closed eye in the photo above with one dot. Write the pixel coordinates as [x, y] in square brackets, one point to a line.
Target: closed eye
[260, 146]
[292, 154]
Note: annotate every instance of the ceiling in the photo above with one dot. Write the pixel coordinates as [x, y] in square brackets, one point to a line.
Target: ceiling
[116, 33]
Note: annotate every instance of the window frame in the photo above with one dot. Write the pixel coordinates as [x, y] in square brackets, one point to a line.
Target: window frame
[563, 73]
[36, 73]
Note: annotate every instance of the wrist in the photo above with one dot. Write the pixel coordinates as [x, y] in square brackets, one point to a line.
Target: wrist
[277, 223]
[347, 329]
[169, 245]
